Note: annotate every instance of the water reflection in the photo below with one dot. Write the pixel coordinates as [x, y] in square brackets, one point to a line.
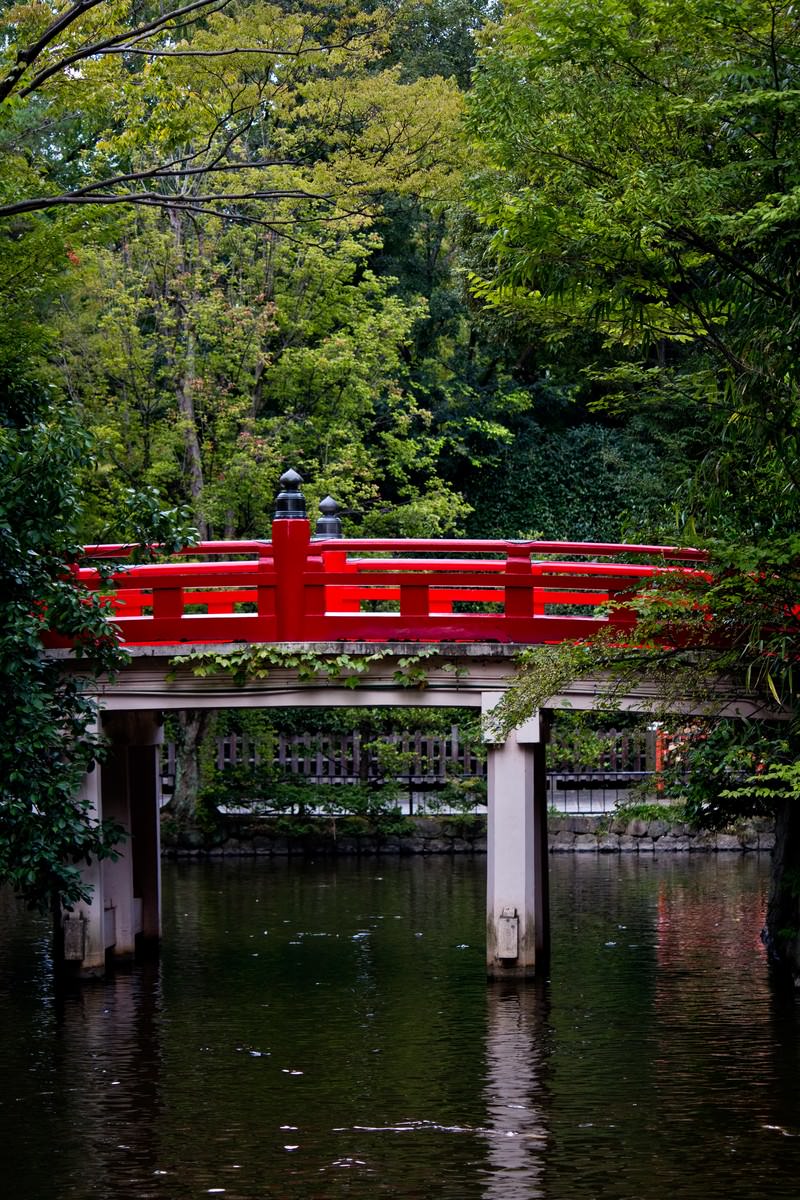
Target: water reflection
[81, 1070]
[108, 1058]
[666, 1055]
[516, 1047]
[325, 1030]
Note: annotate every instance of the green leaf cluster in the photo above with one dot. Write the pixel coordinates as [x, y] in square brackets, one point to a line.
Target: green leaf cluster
[46, 741]
[636, 180]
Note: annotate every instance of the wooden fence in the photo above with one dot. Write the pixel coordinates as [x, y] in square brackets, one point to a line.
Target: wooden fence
[427, 760]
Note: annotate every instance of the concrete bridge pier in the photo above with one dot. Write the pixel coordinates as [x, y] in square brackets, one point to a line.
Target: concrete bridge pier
[125, 909]
[517, 909]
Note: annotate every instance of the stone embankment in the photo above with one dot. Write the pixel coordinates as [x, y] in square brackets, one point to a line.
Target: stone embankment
[458, 835]
[620, 834]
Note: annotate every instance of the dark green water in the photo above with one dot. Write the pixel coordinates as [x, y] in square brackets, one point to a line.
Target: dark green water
[325, 1030]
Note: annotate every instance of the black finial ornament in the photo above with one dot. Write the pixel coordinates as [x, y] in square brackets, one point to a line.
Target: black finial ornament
[329, 525]
[290, 504]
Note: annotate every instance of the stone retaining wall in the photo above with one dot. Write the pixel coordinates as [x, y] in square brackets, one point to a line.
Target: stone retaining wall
[615, 834]
[452, 835]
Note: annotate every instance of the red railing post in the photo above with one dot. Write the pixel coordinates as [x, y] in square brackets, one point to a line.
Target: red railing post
[414, 600]
[518, 583]
[313, 592]
[291, 537]
[339, 597]
[290, 542]
[167, 603]
[539, 609]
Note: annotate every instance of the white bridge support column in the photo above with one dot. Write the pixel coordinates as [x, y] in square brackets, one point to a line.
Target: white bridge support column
[83, 935]
[126, 895]
[145, 786]
[517, 908]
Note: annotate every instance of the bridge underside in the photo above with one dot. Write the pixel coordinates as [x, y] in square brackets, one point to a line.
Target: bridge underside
[126, 899]
[455, 675]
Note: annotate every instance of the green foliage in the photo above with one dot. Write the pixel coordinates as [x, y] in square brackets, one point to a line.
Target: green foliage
[46, 740]
[356, 808]
[577, 484]
[144, 523]
[297, 806]
[730, 626]
[581, 738]
[257, 783]
[187, 211]
[260, 726]
[256, 661]
[542, 672]
[245, 110]
[412, 671]
[726, 770]
[437, 37]
[461, 794]
[636, 182]
[209, 389]
[675, 814]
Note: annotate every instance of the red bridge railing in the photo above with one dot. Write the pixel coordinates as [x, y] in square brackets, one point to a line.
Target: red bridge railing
[296, 589]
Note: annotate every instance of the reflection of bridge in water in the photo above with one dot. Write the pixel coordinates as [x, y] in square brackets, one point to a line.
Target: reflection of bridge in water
[363, 608]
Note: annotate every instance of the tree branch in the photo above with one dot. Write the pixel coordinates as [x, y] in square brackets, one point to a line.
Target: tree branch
[30, 53]
[154, 199]
[169, 171]
[157, 25]
[735, 263]
[272, 51]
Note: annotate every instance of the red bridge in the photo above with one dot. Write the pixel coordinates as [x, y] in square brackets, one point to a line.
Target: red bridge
[458, 594]
[328, 588]
[295, 589]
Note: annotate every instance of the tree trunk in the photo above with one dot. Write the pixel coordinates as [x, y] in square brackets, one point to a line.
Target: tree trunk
[185, 380]
[194, 464]
[782, 932]
[193, 728]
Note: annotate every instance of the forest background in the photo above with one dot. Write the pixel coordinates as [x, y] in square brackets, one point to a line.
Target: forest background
[517, 271]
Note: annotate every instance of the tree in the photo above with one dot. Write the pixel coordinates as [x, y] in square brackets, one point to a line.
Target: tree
[102, 103]
[576, 484]
[237, 111]
[637, 191]
[640, 167]
[206, 372]
[47, 740]
[437, 37]
[186, 203]
[45, 748]
[225, 355]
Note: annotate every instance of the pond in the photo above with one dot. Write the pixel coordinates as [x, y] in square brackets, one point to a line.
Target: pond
[324, 1029]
